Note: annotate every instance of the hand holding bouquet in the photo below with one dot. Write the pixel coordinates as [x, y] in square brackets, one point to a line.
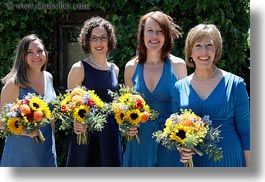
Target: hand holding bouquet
[190, 131]
[25, 116]
[130, 109]
[82, 105]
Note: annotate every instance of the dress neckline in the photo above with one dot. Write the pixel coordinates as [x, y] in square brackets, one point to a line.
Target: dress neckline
[83, 61]
[159, 81]
[45, 86]
[213, 91]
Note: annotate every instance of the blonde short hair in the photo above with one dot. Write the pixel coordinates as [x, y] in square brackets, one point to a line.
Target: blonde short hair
[199, 32]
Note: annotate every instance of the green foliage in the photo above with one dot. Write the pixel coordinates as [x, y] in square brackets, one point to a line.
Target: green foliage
[232, 17]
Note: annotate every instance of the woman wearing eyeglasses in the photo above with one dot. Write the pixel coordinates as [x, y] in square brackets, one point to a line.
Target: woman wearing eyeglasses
[104, 149]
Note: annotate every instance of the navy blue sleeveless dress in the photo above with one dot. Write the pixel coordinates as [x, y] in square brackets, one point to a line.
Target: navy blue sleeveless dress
[104, 149]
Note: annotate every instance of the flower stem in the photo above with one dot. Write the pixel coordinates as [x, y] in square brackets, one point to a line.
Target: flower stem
[82, 138]
[39, 138]
[189, 163]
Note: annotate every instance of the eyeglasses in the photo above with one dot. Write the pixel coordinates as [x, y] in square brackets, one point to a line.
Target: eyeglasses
[96, 38]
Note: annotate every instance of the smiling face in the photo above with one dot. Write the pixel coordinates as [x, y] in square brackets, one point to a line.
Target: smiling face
[154, 38]
[99, 41]
[36, 56]
[203, 52]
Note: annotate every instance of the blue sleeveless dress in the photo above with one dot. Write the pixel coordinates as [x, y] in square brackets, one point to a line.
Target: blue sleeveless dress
[149, 153]
[104, 149]
[22, 151]
[227, 105]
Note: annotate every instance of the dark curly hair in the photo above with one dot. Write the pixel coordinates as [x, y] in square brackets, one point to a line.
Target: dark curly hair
[87, 29]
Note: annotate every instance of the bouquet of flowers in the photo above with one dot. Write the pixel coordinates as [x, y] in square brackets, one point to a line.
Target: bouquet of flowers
[130, 109]
[84, 106]
[190, 131]
[25, 115]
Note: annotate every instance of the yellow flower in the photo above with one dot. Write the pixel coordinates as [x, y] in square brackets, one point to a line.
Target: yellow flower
[117, 107]
[80, 112]
[47, 112]
[168, 126]
[179, 133]
[14, 125]
[119, 116]
[35, 103]
[134, 116]
[96, 99]
[125, 97]
[66, 100]
[169, 122]
[146, 108]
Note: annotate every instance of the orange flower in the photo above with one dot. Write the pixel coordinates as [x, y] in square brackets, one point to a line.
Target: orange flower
[25, 109]
[77, 99]
[78, 91]
[38, 115]
[185, 120]
[145, 117]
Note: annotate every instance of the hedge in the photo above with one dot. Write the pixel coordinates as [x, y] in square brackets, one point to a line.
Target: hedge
[232, 17]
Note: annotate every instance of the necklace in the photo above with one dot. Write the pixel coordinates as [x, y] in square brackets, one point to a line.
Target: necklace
[100, 65]
[208, 77]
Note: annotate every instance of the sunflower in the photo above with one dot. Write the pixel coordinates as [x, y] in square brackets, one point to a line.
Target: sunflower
[119, 116]
[134, 116]
[15, 126]
[80, 113]
[47, 112]
[36, 103]
[98, 102]
[179, 133]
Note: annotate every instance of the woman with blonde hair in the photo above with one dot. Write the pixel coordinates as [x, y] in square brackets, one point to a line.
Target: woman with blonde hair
[212, 91]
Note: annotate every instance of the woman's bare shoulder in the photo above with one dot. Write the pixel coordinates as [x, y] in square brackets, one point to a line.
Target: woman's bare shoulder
[176, 60]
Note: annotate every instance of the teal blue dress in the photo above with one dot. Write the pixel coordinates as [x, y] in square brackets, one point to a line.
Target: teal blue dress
[22, 151]
[228, 106]
[149, 153]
